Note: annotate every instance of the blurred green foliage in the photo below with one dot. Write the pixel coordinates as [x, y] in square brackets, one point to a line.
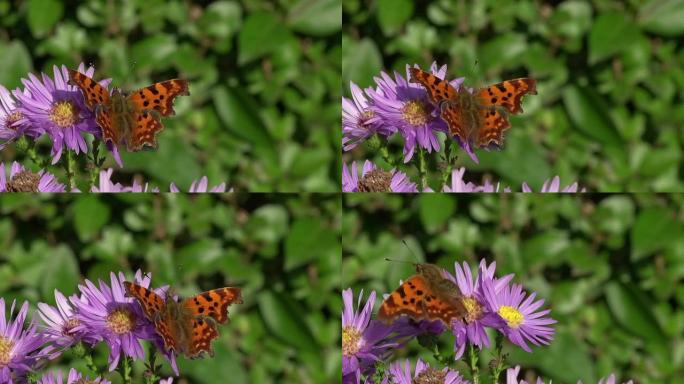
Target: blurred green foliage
[610, 74]
[282, 250]
[264, 81]
[610, 267]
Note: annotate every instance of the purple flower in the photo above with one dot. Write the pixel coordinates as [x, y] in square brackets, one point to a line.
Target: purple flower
[405, 106]
[374, 179]
[17, 345]
[401, 374]
[13, 123]
[105, 183]
[22, 180]
[553, 185]
[63, 327]
[520, 321]
[512, 376]
[364, 341]
[73, 378]
[166, 381]
[200, 186]
[458, 185]
[139, 187]
[359, 120]
[107, 314]
[478, 316]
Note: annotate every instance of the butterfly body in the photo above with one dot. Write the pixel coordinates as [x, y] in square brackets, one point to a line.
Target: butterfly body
[187, 326]
[427, 295]
[478, 117]
[132, 119]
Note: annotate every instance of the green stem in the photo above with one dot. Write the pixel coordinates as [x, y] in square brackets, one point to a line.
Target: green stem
[152, 374]
[96, 165]
[125, 370]
[69, 166]
[449, 166]
[384, 152]
[84, 353]
[499, 364]
[29, 148]
[422, 169]
[474, 367]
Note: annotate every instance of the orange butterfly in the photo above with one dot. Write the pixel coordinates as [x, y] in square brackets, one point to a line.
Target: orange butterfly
[135, 118]
[188, 326]
[427, 295]
[479, 117]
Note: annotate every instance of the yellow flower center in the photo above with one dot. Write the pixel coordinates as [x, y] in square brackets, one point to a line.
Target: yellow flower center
[120, 321]
[376, 180]
[6, 346]
[24, 181]
[64, 114]
[351, 341]
[430, 376]
[512, 316]
[473, 307]
[414, 113]
[11, 119]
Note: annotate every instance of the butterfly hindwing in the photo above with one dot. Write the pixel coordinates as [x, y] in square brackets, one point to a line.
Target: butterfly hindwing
[494, 123]
[203, 332]
[214, 303]
[146, 125]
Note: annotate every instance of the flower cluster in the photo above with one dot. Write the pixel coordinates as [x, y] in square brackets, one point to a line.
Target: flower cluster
[489, 302]
[399, 107]
[53, 108]
[99, 313]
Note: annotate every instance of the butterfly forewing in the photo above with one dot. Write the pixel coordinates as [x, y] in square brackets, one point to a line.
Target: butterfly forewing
[405, 300]
[508, 94]
[438, 90]
[160, 96]
[152, 304]
[214, 303]
[94, 94]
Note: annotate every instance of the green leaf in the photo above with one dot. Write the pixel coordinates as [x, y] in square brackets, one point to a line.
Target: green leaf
[392, 14]
[308, 240]
[663, 17]
[435, 210]
[61, 271]
[154, 51]
[16, 64]
[239, 112]
[42, 15]
[360, 62]
[283, 317]
[588, 112]
[654, 229]
[611, 33]
[261, 34]
[633, 312]
[316, 17]
[90, 214]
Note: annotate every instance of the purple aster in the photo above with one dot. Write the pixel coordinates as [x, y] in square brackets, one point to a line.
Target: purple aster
[374, 179]
[105, 183]
[364, 341]
[13, 123]
[22, 180]
[478, 316]
[74, 378]
[553, 185]
[59, 109]
[521, 322]
[106, 313]
[63, 328]
[424, 373]
[200, 186]
[139, 187]
[406, 107]
[512, 376]
[359, 120]
[458, 185]
[611, 380]
[18, 346]
[166, 381]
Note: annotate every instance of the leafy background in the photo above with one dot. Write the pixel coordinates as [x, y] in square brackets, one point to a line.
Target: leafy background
[282, 250]
[264, 81]
[610, 109]
[610, 268]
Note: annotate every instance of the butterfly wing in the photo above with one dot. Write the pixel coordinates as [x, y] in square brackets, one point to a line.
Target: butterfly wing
[202, 333]
[159, 96]
[494, 122]
[508, 94]
[438, 90]
[214, 303]
[144, 128]
[457, 126]
[152, 304]
[405, 300]
[93, 93]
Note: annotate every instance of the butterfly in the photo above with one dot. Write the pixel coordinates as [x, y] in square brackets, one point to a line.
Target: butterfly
[134, 118]
[479, 117]
[188, 326]
[427, 295]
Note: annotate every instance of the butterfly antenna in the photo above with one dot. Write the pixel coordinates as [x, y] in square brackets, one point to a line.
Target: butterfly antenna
[410, 250]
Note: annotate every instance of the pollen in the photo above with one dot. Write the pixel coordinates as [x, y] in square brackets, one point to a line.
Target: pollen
[352, 341]
[64, 114]
[365, 116]
[474, 309]
[376, 180]
[69, 325]
[24, 181]
[415, 113]
[120, 321]
[11, 119]
[512, 316]
[430, 376]
[6, 346]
